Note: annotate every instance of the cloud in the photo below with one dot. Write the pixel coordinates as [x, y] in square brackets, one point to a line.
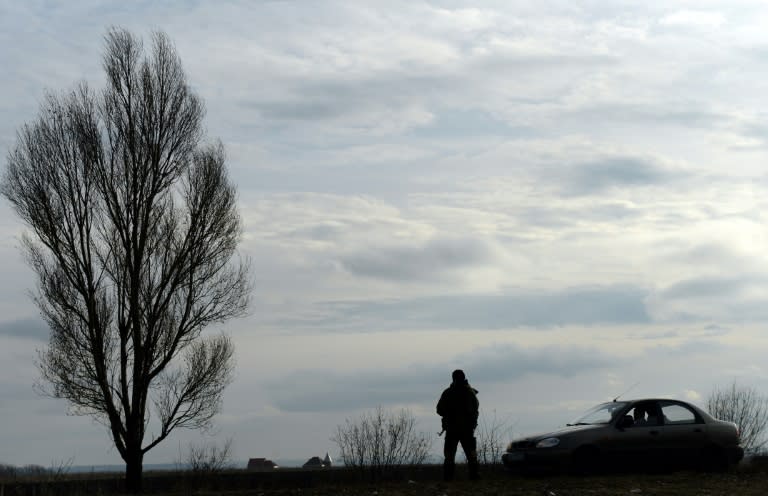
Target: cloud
[692, 395]
[724, 298]
[703, 254]
[27, 328]
[702, 19]
[715, 330]
[13, 392]
[431, 260]
[324, 390]
[505, 362]
[298, 110]
[658, 335]
[342, 400]
[719, 287]
[460, 124]
[585, 305]
[590, 178]
[690, 114]
[687, 348]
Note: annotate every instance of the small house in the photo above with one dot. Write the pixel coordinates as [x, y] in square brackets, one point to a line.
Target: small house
[314, 462]
[261, 464]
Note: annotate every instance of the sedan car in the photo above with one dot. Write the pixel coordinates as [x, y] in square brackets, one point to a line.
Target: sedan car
[643, 433]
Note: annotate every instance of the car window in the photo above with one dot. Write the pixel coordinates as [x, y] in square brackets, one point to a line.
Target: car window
[678, 414]
[645, 414]
[601, 414]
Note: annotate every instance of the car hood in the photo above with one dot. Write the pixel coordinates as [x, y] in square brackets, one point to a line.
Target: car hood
[562, 432]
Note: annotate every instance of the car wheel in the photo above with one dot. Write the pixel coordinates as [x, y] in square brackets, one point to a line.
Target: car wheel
[714, 459]
[585, 460]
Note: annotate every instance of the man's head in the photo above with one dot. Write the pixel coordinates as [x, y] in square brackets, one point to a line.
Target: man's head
[458, 376]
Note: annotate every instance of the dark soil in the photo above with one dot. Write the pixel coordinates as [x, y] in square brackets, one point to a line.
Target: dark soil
[745, 480]
[736, 483]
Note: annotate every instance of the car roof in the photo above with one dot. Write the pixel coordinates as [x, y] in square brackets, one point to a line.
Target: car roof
[674, 400]
[698, 409]
[639, 400]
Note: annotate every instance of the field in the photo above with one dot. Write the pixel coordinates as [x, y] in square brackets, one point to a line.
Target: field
[677, 484]
[681, 484]
[749, 480]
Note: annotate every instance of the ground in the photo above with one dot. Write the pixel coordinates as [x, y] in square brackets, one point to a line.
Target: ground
[676, 484]
[424, 481]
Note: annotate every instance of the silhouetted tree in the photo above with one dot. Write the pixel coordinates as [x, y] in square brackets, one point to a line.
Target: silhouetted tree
[133, 236]
[203, 463]
[492, 435]
[208, 459]
[8, 472]
[746, 408]
[381, 440]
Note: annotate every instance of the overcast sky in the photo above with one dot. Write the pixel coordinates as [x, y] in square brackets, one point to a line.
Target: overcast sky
[565, 199]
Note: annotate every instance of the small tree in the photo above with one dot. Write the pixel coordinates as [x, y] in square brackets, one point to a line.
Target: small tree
[492, 435]
[209, 459]
[745, 407]
[134, 228]
[381, 440]
[203, 463]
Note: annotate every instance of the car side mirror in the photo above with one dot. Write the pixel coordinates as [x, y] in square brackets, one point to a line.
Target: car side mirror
[626, 421]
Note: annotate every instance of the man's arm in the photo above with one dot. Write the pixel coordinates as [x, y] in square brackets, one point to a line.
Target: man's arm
[441, 405]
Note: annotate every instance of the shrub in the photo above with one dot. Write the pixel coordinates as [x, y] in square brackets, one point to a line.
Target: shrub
[745, 407]
[380, 440]
[492, 436]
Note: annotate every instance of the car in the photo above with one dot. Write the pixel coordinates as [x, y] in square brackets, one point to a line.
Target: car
[651, 433]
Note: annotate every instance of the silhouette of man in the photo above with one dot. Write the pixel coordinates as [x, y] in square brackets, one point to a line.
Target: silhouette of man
[639, 416]
[459, 409]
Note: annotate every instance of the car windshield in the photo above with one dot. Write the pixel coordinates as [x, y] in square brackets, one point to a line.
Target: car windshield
[601, 414]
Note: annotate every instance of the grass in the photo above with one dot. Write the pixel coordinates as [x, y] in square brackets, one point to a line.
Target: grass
[676, 484]
[744, 481]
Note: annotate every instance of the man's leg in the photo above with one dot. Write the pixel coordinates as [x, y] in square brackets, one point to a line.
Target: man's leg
[469, 445]
[449, 452]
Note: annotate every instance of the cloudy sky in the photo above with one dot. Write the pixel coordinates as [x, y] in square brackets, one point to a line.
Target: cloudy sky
[565, 199]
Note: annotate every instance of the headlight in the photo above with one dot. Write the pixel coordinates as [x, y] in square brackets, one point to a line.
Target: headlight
[549, 442]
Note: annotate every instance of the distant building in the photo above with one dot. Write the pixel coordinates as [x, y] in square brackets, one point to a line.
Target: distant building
[261, 464]
[327, 460]
[314, 462]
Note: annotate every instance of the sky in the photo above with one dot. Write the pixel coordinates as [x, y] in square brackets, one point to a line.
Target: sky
[566, 199]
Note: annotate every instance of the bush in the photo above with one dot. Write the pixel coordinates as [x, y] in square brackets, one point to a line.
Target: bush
[745, 407]
[381, 440]
[201, 465]
[492, 436]
[209, 459]
[8, 472]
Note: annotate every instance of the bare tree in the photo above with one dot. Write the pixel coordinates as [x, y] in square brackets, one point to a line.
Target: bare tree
[381, 440]
[746, 408]
[8, 472]
[133, 231]
[492, 436]
[203, 463]
[209, 459]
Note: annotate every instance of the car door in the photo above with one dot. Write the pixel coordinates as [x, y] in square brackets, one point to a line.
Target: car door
[637, 444]
[682, 433]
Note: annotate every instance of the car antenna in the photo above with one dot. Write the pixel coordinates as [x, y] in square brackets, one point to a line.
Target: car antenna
[625, 392]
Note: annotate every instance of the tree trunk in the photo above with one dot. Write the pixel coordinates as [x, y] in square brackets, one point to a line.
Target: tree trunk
[133, 469]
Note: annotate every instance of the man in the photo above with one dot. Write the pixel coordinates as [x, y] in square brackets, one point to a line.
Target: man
[459, 408]
[639, 416]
